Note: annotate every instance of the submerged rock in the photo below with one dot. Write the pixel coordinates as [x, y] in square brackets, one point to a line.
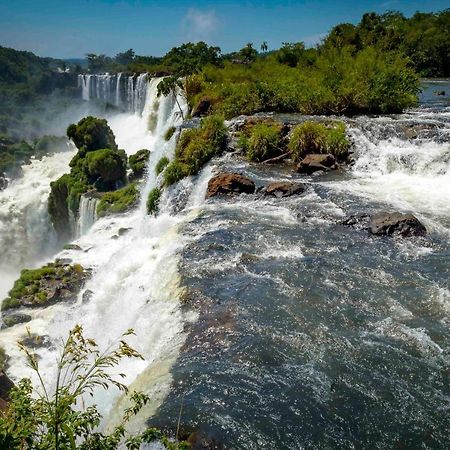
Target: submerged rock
[227, 183]
[52, 283]
[284, 189]
[316, 162]
[388, 224]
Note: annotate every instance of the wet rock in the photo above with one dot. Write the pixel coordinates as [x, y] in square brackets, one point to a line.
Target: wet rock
[281, 189]
[3, 182]
[227, 183]
[203, 107]
[5, 387]
[360, 222]
[440, 93]
[200, 441]
[72, 247]
[316, 162]
[123, 231]
[9, 320]
[34, 341]
[385, 223]
[87, 295]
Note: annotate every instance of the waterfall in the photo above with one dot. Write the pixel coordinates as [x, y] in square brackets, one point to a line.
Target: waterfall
[87, 214]
[108, 88]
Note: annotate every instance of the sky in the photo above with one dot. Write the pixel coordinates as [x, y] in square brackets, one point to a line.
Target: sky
[72, 28]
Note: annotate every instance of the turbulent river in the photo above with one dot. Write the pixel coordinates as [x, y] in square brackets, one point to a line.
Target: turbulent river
[264, 323]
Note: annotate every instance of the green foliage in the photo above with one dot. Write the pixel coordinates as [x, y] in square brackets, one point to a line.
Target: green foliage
[169, 133]
[118, 201]
[248, 53]
[161, 164]
[138, 162]
[3, 358]
[196, 147]
[263, 141]
[92, 133]
[315, 137]
[56, 419]
[32, 287]
[106, 164]
[153, 201]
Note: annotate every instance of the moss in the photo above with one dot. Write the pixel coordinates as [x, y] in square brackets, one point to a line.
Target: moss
[315, 137]
[161, 164]
[91, 133]
[153, 201]
[196, 147]
[169, 133]
[36, 287]
[106, 167]
[138, 162]
[118, 201]
[263, 142]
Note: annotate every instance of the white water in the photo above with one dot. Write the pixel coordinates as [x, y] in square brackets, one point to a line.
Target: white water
[407, 175]
[135, 282]
[87, 214]
[26, 235]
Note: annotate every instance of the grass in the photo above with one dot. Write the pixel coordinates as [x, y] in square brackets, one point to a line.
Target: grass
[153, 201]
[161, 164]
[118, 201]
[262, 141]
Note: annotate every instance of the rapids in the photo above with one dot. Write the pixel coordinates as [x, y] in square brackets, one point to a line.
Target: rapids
[295, 332]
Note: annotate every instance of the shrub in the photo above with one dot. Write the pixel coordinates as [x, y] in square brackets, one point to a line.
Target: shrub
[161, 164]
[106, 164]
[315, 137]
[174, 172]
[55, 417]
[169, 133]
[138, 162]
[118, 201]
[153, 201]
[91, 133]
[263, 142]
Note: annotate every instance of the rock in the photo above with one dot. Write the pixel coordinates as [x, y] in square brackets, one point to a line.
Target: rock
[315, 162]
[72, 247]
[227, 183]
[389, 224]
[3, 182]
[123, 231]
[284, 189]
[360, 222]
[34, 341]
[203, 107]
[5, 386]
[86, 296]
[441, 93]
[9, 320]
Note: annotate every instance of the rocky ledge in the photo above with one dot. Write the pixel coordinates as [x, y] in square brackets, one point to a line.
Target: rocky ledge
[52, 283]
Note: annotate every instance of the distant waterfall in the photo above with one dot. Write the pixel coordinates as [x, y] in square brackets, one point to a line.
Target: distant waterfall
[87, 214]
[127, 92]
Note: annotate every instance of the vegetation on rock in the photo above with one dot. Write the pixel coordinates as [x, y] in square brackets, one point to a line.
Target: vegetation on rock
[153, 201]
[161, 164]
[261, 141]
[196, 147]
[118, 201]
[316, 137]
[169, 133]
[49, 284]
[55, 417]
[91, 133]
[138, 162]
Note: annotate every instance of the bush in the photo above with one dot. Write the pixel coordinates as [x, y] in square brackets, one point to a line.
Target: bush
[138, 162]
[118, 201]
[59, 419]
[161, 164]
[107, 165]
[153, 201]
[263, 142]
[315, 137]
[92, 134]
[169, 133]
[196, 147]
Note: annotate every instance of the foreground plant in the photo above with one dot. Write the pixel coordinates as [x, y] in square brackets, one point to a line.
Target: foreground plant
[41, 420]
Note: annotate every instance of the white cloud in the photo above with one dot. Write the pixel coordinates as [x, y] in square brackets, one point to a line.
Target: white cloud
[199, 25]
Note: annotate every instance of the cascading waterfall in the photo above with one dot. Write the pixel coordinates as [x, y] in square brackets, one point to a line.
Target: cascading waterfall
[128, 92]
[134, 282]
[87, 214]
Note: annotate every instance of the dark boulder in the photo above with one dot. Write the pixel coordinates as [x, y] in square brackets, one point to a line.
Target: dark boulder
[3, 181]
[9, 320]
[5, 386]
[227, 183]
[284, 189]
[388, 224]
[441, 93]
[203, 107]
[316, 162]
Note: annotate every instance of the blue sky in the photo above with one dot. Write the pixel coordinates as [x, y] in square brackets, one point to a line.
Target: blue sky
[65, 29]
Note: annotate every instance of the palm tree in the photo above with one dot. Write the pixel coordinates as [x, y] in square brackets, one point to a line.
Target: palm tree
[264, 47]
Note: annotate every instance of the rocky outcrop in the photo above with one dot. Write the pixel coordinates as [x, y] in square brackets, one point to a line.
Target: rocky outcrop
[53, 283]
[281, 189]
[388, 224]
[9, 320]
[203, 107]
[316, 162]
[228, 183]
[5, 386]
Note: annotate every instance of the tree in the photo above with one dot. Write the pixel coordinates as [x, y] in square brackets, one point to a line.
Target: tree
[248, 54]
[52, 420]
[172, 85]
[264, 47]
[125, 58]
